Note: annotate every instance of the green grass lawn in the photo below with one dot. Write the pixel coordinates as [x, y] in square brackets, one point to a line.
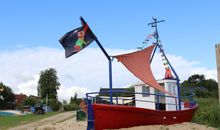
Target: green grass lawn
[12, 121]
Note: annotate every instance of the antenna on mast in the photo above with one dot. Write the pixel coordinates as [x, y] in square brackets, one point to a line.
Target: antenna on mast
[154, 25]
[155, 33]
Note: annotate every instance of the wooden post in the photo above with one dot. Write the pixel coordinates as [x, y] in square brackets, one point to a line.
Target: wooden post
[217, 50]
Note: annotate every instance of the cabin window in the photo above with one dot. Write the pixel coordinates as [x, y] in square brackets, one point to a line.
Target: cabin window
[145, 91]
[172, 88]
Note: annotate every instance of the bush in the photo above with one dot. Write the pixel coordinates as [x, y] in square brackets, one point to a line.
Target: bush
[202, 93]
[214, 117]
[30, 101]
[208, 112]
[71, 107]
[54, 104]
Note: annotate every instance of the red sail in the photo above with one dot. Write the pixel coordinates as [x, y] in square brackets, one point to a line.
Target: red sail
[138, 63]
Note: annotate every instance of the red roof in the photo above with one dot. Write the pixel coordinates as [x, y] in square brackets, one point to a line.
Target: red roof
[19, 98]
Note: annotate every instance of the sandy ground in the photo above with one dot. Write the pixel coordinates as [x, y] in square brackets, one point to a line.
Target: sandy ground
[183, 126]
[69, 124]
[66, 121]
[62, 119]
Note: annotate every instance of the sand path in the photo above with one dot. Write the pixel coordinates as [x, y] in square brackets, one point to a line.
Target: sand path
[44, 122]
[183, 126]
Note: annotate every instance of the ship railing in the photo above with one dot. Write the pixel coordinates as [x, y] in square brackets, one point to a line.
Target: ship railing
[122, 97]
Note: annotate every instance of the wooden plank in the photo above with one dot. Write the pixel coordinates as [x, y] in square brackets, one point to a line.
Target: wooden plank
[217, 50]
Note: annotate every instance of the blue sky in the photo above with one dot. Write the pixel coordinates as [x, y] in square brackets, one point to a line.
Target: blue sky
[191, 29]
[30, 31]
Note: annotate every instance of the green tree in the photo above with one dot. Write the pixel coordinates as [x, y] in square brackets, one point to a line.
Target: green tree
[7, 98]
[130, 89]
[64, 102]
[48, 84]
[54, 104]
[30, 101]
[202, 87]
[194, 80]
[211, 85]
[73, 100]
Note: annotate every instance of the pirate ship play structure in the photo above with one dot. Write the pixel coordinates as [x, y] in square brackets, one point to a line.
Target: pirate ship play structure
[153, 102]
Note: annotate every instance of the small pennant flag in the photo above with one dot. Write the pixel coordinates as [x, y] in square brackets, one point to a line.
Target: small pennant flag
[151, 35]
[75, 40]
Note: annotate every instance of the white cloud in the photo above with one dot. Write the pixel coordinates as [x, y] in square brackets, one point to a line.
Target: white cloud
[85, 72]
[29, 87]
[183, 67]
[64, 93]
[25, 76]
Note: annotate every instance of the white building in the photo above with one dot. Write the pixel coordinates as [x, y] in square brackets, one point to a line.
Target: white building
[147, 98]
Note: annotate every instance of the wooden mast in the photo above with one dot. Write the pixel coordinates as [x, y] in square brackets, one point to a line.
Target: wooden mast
[217, 50]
